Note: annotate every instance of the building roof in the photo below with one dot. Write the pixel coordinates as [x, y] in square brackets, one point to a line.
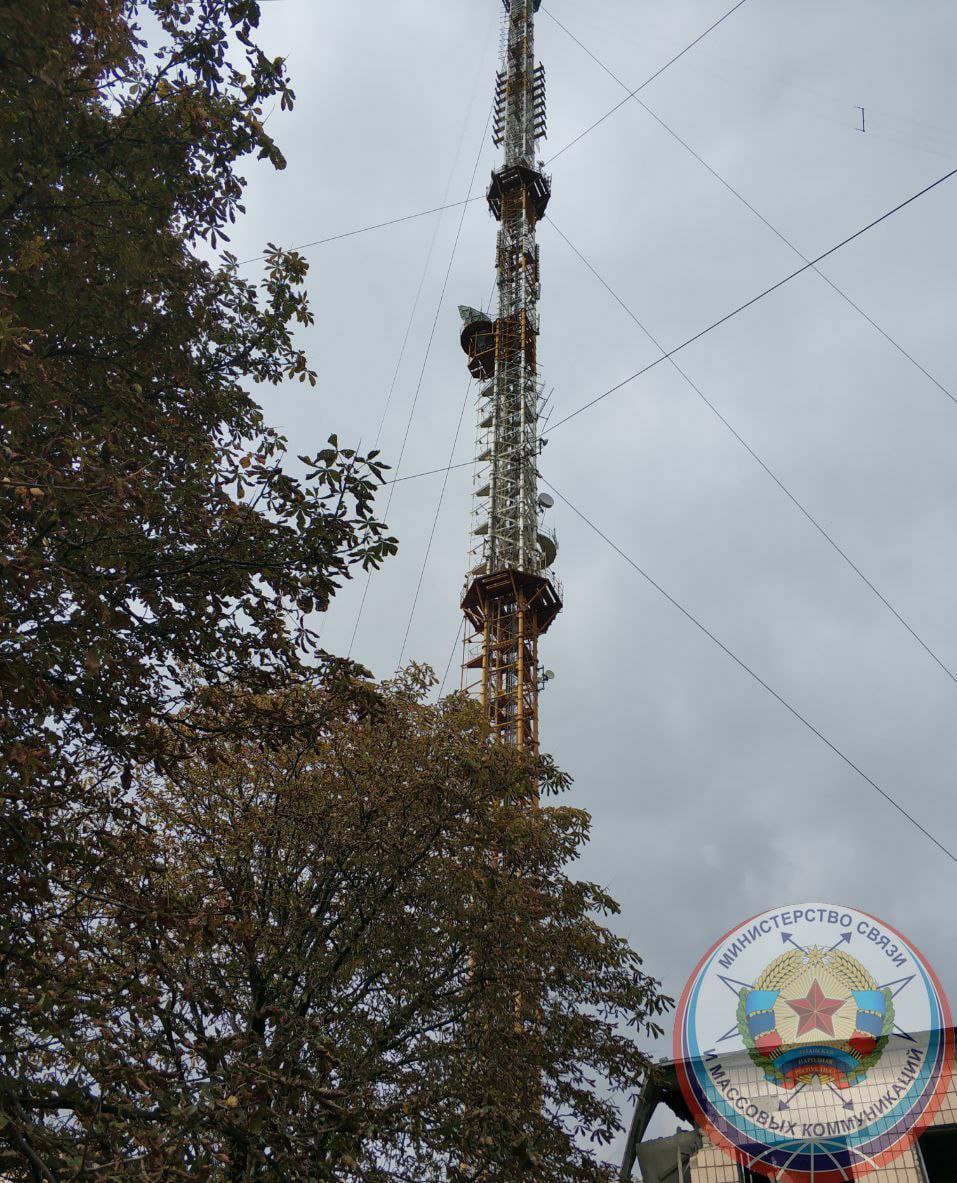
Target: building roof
[660, 1086]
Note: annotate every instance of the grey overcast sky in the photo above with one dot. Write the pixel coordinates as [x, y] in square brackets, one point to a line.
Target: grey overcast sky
[710, 801]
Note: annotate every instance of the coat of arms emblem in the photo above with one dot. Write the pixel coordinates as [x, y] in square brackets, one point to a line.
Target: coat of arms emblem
[813, 1044]
[815, 1015]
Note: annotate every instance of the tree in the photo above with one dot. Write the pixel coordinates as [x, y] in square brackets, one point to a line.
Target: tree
[312, 968]
[146, 517]
[147, 520]
[260, 920]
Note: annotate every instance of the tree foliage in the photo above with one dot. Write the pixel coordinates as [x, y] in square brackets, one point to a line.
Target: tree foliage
[260, 920]
[304, 964]
[147, 521]
[146, 517]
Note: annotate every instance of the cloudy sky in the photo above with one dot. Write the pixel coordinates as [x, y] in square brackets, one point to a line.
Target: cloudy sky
[710, 801]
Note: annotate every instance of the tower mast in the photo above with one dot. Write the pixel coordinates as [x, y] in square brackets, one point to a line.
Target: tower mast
[509, 599]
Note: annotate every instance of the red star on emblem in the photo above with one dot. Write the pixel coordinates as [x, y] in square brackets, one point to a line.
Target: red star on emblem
[816, 1012]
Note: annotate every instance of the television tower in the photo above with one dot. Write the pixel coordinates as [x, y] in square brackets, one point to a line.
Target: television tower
[509, 599]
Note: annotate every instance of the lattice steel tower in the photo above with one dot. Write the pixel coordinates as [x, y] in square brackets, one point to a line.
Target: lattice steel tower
[509, 599]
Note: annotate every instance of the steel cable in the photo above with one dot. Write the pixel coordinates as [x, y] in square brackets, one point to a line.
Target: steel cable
[747, 204]
[751, 672]
[425, 360]
[754, 455]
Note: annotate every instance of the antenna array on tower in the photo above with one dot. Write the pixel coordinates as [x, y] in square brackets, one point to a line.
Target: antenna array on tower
[510, 599]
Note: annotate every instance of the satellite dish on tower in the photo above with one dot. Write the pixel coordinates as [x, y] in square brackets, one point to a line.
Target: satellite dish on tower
[548, 545]
[545, 501]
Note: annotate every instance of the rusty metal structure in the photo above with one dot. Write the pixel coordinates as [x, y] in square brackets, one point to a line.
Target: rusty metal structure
[510, 597]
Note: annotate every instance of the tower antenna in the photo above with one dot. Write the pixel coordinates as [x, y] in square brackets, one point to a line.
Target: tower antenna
[510, 598]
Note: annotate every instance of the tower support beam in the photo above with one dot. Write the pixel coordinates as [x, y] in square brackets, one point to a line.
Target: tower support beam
[510, 599]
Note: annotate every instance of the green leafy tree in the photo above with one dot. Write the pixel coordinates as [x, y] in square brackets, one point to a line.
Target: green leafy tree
[312, 967]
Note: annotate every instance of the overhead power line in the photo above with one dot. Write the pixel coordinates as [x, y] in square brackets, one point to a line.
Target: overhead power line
[754, 455]
[760, 296]
[751, 672]
[747, 204]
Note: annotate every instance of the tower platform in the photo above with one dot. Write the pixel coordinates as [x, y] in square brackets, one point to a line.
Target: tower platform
[536, 593]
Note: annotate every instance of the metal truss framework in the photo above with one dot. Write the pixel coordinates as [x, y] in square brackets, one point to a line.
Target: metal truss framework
[509, 601]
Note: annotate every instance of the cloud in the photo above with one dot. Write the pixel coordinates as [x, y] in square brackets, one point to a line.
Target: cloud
[710, 801]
